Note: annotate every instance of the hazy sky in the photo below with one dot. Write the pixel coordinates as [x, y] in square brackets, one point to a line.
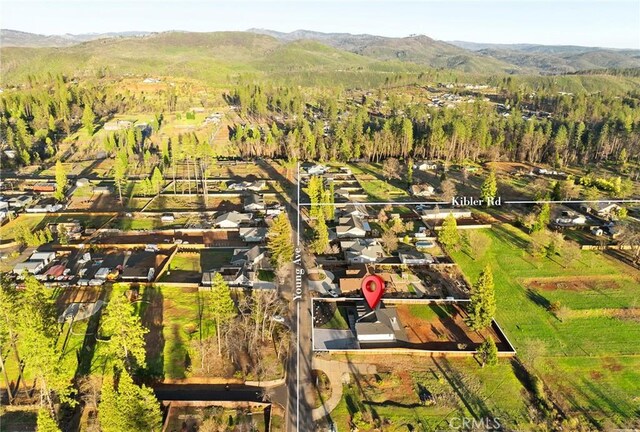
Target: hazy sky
[607, 23]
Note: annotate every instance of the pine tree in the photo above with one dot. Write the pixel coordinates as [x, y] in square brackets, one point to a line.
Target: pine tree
[279, 241]
[37, 335]
[120, 168]
[222, 307]
[321, 242]
[88, 119]
[156, 180]
[61, 181]
[488, 352]
[45, 423]
[482, 305]
[489, 188]
[125, 331]
[543, 218]
[449, 235]
[128, 408]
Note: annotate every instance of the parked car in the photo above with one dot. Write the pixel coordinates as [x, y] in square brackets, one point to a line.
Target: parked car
[332, 293]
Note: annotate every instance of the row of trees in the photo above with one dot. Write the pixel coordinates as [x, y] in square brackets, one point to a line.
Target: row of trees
[583, 129]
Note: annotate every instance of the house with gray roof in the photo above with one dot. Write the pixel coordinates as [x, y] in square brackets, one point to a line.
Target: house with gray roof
[232, 219]
[362, 251]
[254, 203]
[352, 226]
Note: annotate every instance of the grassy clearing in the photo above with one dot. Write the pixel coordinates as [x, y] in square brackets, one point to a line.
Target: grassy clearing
[524, 315]
[459, 387]
[8, 230]
[39, 221]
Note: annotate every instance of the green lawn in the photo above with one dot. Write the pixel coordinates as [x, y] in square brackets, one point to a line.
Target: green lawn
[430, 312]
[337, 321]
[585, 330]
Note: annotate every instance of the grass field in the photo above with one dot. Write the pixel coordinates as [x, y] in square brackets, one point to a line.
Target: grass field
[39, 221]
[575, 344]
[459, 387]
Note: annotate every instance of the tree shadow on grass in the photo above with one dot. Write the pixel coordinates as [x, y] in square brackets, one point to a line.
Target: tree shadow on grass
[538, 299]
[509, 237]
[472, 401]
[152, 318]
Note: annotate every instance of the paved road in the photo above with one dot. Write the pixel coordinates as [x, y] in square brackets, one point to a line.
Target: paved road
[298, 382]
[208, 392]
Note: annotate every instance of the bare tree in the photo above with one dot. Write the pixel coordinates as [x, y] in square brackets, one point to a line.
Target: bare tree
[391, 168]
[449, 190]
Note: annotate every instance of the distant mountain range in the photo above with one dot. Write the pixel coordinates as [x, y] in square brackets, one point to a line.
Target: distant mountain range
[15, 38]
[527, 58]
[259, 50]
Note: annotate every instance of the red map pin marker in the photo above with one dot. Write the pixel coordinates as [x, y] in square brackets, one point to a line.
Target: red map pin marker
[372, 288]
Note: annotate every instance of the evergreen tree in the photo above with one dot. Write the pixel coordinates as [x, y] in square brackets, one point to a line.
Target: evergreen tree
[321, 242]
[61, 181]
[482, 305]
[38, 336]
[448, 234]
[279, 241]
[125, 331]
[222, 307]
[45, 423]
[489, 188]
[128, 408]
[488, 352]
[88, 119]
[156, 180]
[120, 169]
[543, 218]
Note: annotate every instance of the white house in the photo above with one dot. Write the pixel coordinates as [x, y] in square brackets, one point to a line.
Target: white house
[352, 226]
[317, 170]
[81, 182]
[33, 267]
[415, 258]
[245, 185]
[232, 219]
[254, 202]
[602, 209]
[167, 217]
[424, 166]
[441, 213]
[362, 251]
[251, 257]
[45, 208]
[253, 234]
[379, 326]
[45, 257]
[422, 190]
[357, 210]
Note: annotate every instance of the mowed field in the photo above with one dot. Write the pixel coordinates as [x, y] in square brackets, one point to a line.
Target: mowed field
[587, 350]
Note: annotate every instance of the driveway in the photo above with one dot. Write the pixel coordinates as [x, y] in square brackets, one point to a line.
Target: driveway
[334, 339]
[323, 285]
